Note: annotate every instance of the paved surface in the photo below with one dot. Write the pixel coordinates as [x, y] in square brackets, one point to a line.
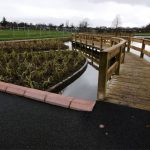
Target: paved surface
[26, 124]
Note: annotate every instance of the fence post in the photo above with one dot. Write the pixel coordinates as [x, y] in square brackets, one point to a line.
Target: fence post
[111, 42]
[92, 48]
[85, 43]
[101, 44]
[102, 79]
[75, 42]
[129, 43]
[124, 52]
[80, 42]
[72, 40]
[118, 59]
[142, 50]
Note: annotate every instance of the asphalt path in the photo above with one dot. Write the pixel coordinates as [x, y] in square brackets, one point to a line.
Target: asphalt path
[27, 124]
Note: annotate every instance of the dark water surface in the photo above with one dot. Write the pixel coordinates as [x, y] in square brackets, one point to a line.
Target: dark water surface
[85, 86]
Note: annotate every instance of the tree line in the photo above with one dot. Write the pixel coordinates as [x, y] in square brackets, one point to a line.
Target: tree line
[82, 27]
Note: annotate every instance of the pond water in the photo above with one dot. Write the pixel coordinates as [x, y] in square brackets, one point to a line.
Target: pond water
[69, 45]
[140, 45]
[85, 86]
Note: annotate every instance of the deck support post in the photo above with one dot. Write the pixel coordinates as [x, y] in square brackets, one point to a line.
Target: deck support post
[80, 43]
[75, 42]
[118, 59]
[85, 43]
[92, 48]
[142, 50]
[124, 52]
[102, 79]
[72, 40]
[129, 43]
[101, 43]
[111, 43]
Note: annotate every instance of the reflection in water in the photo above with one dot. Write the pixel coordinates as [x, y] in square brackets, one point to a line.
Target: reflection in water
[147, 47]
[69, 45]
[84, 87]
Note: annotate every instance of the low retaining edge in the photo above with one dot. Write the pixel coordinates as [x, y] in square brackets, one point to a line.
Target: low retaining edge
[64, 83]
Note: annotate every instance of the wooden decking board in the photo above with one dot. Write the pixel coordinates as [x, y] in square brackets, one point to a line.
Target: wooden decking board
[135, 81]
[130, 89]
[136, 76]
[121, 85]
[132, 86]
[129, 103]
[128, 100]
[133, 94]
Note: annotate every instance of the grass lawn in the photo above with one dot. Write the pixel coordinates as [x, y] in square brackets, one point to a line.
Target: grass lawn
[30, 34]
[142, 34]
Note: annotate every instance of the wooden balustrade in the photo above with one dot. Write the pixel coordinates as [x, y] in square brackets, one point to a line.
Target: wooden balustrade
[112, 56]
[109, 59]
[141, 49]
[99, 41]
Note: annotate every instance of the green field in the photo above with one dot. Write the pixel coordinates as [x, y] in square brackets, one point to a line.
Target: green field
[30, 34]
[142, 34]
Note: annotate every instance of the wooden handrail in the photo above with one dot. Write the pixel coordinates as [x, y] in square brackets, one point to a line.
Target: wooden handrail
[109, 58]
[141, 49]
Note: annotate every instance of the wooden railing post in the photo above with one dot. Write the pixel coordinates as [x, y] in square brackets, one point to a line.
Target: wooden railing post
[80, 40]
[92, 48]
[101, 43]
[124, 52]
[102, 79]
[142, 50]
[129, 43]
[75, 41]
[118, 59]
[85, 43]
[111, 42]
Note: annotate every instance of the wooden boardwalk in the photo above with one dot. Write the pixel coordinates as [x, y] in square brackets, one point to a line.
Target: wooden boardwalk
[132, 86]
[129, 73]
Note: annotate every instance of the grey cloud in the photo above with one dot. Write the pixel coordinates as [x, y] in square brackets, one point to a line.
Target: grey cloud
[99, 12]
[135, 2]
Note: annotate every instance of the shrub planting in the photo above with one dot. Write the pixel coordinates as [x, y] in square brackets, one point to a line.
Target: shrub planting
[39, 70]
[33, 45]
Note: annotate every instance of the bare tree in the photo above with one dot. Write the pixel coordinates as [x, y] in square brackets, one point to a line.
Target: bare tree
[4, 22]
[116, 24]
[67, 24]
[83, 25]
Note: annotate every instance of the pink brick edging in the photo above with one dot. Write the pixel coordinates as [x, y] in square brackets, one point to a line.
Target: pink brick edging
[82, 105]
[47, 97]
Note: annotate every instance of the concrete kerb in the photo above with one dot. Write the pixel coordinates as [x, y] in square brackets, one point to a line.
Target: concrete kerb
[47, 97]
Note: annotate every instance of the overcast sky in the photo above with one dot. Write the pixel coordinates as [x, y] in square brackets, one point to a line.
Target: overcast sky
[133, 13]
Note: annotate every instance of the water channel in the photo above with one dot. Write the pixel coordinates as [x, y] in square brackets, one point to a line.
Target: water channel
[85, 87]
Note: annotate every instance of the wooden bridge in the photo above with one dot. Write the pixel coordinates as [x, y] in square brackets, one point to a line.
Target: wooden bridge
[123, 76]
